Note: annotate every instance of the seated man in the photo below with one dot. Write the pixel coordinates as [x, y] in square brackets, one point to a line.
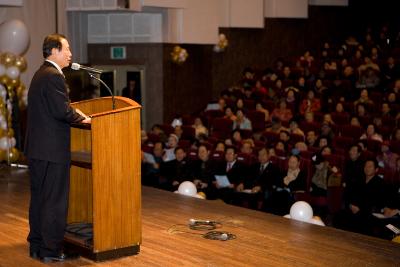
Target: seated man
[367, 198]
[174, 171]
[234, 171]
[202, 172]
[151, 165]
[262, 179]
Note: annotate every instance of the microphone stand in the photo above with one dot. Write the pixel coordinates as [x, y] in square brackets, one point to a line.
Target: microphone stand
[108, 88]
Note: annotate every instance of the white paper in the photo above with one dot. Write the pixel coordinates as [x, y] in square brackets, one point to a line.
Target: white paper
[222, 181]
[379, 215]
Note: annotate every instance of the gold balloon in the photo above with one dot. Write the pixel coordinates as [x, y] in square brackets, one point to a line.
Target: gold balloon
[20, 63]
[10, 132]
[202, 194]
[15, 83]
[7, 59]
[20, 90]
[2, 132]
[4, 79]
[14, 154]
[3, 155]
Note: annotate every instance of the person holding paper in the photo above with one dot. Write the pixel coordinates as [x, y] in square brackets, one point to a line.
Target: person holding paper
[47, 148]
[231, 170]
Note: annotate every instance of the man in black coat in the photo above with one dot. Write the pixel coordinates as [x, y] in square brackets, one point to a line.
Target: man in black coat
[48, 150]
[234, 171]
[202, 172]
[369, 197]
[175, 171]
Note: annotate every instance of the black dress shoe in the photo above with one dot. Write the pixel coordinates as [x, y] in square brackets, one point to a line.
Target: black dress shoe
[59, 258]
[34, 255]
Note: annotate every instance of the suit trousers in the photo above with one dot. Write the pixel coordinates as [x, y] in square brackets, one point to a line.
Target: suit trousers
[48, 206]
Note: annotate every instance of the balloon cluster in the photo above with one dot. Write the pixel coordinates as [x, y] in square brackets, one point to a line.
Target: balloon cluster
[179, 55]
[222, 43]
[302, 211]
[188, 188]
[14, 40]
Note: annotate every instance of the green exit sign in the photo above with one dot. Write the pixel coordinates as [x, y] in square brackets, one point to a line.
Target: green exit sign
[118, 52]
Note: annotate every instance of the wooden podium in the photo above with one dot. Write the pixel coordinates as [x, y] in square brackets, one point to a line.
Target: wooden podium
[105, 187]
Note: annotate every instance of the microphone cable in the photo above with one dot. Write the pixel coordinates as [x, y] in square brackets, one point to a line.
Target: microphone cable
[219, 235]
[201, 225]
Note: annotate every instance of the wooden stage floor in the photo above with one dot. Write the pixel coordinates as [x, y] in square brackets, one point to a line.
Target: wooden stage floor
[262, 239]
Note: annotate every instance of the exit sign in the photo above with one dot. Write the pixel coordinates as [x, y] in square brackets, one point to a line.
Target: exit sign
[118, 52]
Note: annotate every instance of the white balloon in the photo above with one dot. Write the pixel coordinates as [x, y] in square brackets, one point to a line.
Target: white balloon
[14, 37]
[3, 92]
[301, 211]
[187, 188]
[12, 72]
[316, 221]
[2, 69]
[13, 142]
[4, 143]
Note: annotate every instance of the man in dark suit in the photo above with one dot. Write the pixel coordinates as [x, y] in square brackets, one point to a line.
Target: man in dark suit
[48, 150]
[235, 173]
[262, 179]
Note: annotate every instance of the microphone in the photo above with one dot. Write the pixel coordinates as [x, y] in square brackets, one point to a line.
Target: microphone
[76, 66]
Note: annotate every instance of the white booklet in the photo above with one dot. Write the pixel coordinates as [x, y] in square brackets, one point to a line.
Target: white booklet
[222, 181]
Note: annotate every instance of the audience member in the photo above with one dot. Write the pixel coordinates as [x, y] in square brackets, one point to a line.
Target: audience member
[241, 121]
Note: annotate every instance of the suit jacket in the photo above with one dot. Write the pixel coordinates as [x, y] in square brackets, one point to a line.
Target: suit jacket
[236, 174]
[203, 171]
[267, 179]
[175, 170]
[49, 117]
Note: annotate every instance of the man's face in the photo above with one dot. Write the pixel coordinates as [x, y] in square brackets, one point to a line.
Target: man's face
[369, 168]
[293, 163]
[203, 153]
[180, 155]
[311, 137]
[263, 156]
[246, 148]
[230, 155]
[62, 57]
[353, 153]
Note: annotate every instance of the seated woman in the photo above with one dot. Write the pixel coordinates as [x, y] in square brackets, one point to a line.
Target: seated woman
[282, 112]
[292, 180]
[241, 122]
[199, 127]
[229, 114]
[323, 172]
[310, 103]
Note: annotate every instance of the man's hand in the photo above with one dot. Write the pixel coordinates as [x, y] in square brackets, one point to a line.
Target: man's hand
[240, 187]
[256, 189]
[388, 212]
[87, 120]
